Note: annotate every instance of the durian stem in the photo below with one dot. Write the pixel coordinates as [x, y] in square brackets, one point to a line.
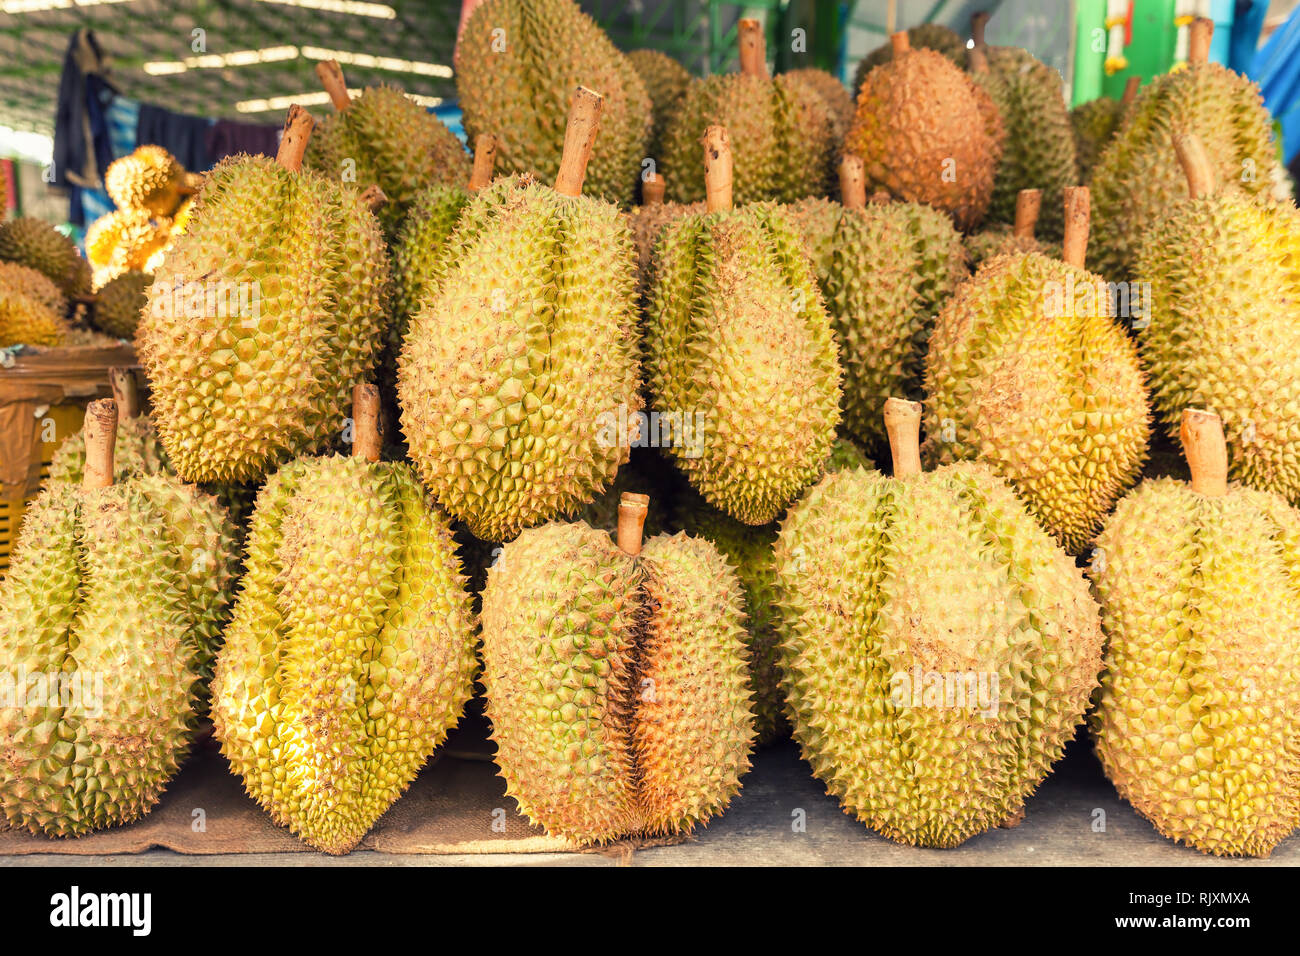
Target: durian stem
[900, 42]
[653, 189]
[331, 77]
[100, 432]
[579, 138]
[485, 161]
[978, 22]
[126, 391]
[1196, 165]
[293, 143]
[1078, 214]
[1130, 91]
[373, 198]
[632, 510]
[1206, 451]
[367, 432]
[753, 48]
[1028, 202]
[979, 62]
[853, 182]
[903, 424]
[1199, 35]
[717, 168]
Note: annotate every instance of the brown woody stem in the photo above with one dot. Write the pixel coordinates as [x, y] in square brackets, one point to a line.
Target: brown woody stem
[100, 431]
[753, 47]
[1199, 35]
[1195, 163]
[1206, 451]
[367, 433]
[579, 138]
[373, 197]
[903, 424]
[900, 42]
[853, 182]
[1131, 86]
[1028, 202]
[331, 77]
[485, 161]
[978, 22]
[1078, 213]
[126, 391]
[653, 189]
[293, 144]
[632, 510]
[717, 168]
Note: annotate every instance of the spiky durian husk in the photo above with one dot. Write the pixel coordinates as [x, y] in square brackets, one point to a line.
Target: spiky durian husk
[926, 36]
[118, 304]
[148, 179]
[123, 588]
[538, 52]
[638, 669]
[999, 240]
[38, 245]
[927, 133]
[782, 138]
[1048, 392]
[518, 380]
[1138, 177]
[1094, 124]
[942, 573]
[834, 94]
[737, 334]
[665, 82]
[1199, 712]
[125, 240]
[602, 511]
[385, 139]
[1038, 148]
[1224, 329]
[137, 452]
[647, 224]
[351, 652]
[883, 270]
[251, 380]
[32, 308]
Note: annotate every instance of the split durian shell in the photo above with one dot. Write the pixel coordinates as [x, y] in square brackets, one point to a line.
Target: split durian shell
[148, 179]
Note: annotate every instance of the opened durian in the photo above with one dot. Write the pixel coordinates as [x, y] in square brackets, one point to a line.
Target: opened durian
[111, 610]
[32, 308]
[616, 679]
[938, 647]
[127, 240]
[783, 132]
[38, 245]
[1199, 712]
[1028, 372]
[738, 344]
[264, 314]
[148, 179]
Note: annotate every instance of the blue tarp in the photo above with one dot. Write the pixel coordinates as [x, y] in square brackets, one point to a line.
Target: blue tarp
[1276, 68]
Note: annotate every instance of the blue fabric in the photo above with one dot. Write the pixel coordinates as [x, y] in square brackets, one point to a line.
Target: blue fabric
[184, 136]
[1247, 21]
[1276, 68]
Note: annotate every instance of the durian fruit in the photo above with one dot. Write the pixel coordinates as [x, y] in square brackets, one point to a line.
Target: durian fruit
[938, 648]
[1095, 124]
[136, 448]
[181, 220]
[1138, 178]
[384, 138]
[649, 220]
[835, 95]
[1027, 371]
[32, 308]
[616, 679]
[118, 304]
[263, 315]
[351, 652]
[665, 82]
[149, 179]
[38, 245]
[114, 599]
[924, 36]
[1016, 240]
[783, 131]
[126, 240]
[738, 343]
[1199, 711]
[518, 380]
[1223, 332]
[1038, 149]
[927, 133]
[517, 65]
[884, 268]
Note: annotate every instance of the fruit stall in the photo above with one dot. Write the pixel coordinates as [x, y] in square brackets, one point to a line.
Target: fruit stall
[808, 432]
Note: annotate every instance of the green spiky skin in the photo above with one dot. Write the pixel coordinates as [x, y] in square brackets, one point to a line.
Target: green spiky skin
[737, 335]
[924, 36]
[125, 588]
[944, 572]
[550, 48]
[137, 452]
[1199, 712]
[1038, 151]
[38, 245]
[665, 82]
[927, 133]
[236, 394]
[32, 309]
[118, 304]
[783, 141]
[647, 224]
[384, 138]
[1138, 176]
[1055, 403]
[351, 652]
[1094, 123]
[1224, 329]
[845, 454]
[883, 271]
[836, 96]
[616, 686]
[999, 240]
[514, 373]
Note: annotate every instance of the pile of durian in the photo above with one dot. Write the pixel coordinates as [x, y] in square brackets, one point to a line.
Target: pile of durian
[842, 433]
